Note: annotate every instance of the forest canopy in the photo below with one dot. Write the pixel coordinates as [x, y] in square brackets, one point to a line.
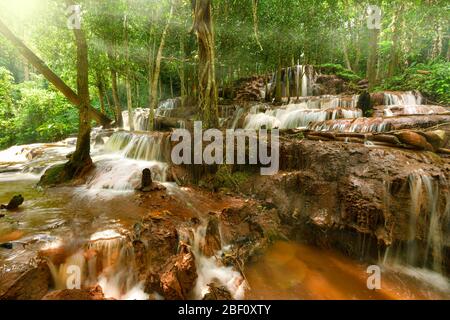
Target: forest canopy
[147, 50]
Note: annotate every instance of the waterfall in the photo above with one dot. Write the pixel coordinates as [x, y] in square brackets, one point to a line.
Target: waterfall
[125, 155]
[408, 98]
[148, 147]
[304, 112]
[212, 270]
[237, 116]
[397, 110]
[166, 108]
[408, 103]
[302, 74]
[106, 260]
[141, 119]
[427, 225]
[361, 125]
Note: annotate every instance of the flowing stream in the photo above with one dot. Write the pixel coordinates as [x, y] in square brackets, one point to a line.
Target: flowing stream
[91, 221]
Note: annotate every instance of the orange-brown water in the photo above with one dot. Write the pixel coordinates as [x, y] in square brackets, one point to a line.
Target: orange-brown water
[286, 271]
[297, 271]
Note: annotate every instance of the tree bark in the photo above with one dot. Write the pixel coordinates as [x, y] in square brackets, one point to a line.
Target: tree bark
[51, 76]
[114, 87]
[157, 69]
[207, 90]
[101, 92]
[372, 60]
[127, 79]
[394, 55]
[81, 157]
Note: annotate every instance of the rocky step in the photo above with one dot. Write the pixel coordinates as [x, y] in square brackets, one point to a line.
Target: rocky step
[399, 110]
[381, 124]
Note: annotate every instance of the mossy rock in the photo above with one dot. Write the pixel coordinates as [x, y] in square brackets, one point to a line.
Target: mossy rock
[54, 176]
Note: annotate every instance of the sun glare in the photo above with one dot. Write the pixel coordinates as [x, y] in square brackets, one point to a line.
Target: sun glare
[21, 9]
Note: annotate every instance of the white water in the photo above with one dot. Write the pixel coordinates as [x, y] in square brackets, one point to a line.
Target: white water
[107, 261]
[211, 270]
[141, 119]
[424, 259]
[166, 107]
[410, 98]
[300, 115]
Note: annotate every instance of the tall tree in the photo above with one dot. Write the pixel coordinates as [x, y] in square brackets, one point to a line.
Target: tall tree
[157, 67]
[207, 90]
[372, 59]
[51, 76]
[128, 75]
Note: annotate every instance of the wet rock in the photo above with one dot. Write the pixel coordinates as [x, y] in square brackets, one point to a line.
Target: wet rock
[414, 139]
[146, 179]
[147, 184]
[377, 99]
[154, 242]
[365, 104]
[217, 293]
[438, 139]
[8, 246]
[95, 293]
[99, 140]
[212, 242]
[20, 288]
[14, 203]
[178, 277]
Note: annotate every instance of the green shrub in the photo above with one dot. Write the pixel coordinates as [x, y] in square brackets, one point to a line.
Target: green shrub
[432, 80]
[340, 71]
[31, 112]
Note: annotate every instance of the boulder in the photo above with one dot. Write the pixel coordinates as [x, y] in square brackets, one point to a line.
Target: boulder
[155, 240]
[179, 275]
[217, 293]
[14, 203]
[94, 293]
[212, 242]
[20, 288]
[414, 139]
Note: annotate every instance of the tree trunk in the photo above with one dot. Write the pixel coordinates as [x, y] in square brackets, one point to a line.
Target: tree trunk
[278, 86]
[394, 55]
[207, 90]
[182, 73]
[438, 41]
[127, 79]
[81, 157]
[348, 65]
[51, 76]
[157, 69]
[101, 91]
[372, 60]
[114, 86]
[101, 98]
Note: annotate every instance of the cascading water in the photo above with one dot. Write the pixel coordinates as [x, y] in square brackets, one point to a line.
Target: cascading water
[166, 108]
[128, 154]
[106, 260]
[409, 98]
[141, 119]
[300, 115]
[211, 269]
[428, 223]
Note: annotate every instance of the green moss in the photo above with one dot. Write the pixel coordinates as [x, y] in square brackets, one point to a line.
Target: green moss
[226, 179]
[53, 176]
